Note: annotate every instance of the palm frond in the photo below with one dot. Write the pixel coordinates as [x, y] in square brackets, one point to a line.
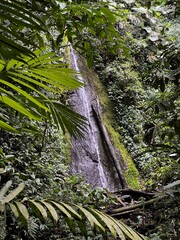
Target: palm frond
[13, 193]
[68, 119]
[72, 213]
[13, 42]
[28, 84]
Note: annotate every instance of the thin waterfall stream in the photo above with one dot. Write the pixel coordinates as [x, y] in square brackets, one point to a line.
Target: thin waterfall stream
[90, 156]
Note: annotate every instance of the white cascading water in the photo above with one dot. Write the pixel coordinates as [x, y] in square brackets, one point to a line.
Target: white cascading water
[90, 136]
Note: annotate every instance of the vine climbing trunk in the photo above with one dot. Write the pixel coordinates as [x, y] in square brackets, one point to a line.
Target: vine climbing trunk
[93, 157]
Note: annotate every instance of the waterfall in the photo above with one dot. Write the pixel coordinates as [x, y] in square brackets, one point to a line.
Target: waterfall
[90, 156]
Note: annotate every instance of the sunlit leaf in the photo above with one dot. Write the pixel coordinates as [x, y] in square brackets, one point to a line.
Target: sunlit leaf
[4, 189]
[23, 212]
[14, 209]
[39, 210]
[61, 208]
[13, 193]
[51, 210]
[93, 221]
[7, 127]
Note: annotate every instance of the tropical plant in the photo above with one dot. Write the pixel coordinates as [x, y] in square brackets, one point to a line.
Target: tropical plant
[23, 82]
[23, 22]
[31, 80]
[72, 213]
[145, 94]
[145, 87]
[28, 78]
[35, 24]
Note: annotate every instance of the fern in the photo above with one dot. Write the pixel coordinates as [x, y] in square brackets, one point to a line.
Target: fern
[32, 227]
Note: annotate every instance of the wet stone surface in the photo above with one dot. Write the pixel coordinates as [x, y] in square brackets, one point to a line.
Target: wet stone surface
[90, 156]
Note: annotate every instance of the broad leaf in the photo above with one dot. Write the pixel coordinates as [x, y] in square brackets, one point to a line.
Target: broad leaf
[4, 190]
[93, 221]
[13, 193]
[14, 209]
[18, 107]
[39, 210]
[51, 210]
[23, 212]
[62, 209]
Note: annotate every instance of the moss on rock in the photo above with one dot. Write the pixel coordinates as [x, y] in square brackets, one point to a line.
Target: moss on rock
[131, 173]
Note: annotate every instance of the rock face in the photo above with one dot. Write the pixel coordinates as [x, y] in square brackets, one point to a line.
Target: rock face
[93, 157]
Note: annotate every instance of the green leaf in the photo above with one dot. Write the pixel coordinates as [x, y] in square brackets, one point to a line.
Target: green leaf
[7, 127]
[108, 14]
[14, 209]
[90, 60]
[11, 64]
[61, 208]
[51, 210]
[19, 90]
[44, 58]
[12, 45]
[93, 221]
[30, 87]
[2, 65]
[109, 223]
[70, 120]
[18, 107]
[15, 35]
[70, 209]
[29, 79]
[72, 225]
[24, 215]
[56, 119]
[4, 189]
[13, 193]
[83, 228]
[57, 78]
[39, 210]
[21, 11]
[117, 227]
[26, 22]
[130, 232]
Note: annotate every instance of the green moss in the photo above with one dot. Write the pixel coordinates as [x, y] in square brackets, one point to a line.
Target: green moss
[131, 173]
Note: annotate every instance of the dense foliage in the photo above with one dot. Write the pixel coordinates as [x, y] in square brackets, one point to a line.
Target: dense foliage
[144, 89]
[134, 47]
[34, 79]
